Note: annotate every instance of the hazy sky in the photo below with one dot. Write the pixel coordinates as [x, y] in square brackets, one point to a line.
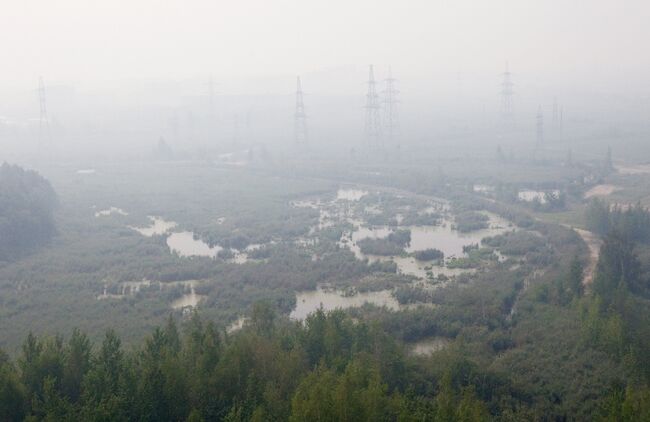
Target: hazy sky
[597, 43]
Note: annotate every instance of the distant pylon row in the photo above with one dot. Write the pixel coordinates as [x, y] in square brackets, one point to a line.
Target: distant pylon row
[508, 109]
[43, 121]
[557, 122]
[300, 117]
[375, 126]
[507, 97]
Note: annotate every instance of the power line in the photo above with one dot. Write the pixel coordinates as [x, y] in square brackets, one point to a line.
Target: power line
[300, 117]
[44, 121]
[372, 124]
[540, 126]
[507, 94]
[391, 120]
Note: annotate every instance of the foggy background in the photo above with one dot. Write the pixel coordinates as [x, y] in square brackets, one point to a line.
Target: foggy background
[120, 75]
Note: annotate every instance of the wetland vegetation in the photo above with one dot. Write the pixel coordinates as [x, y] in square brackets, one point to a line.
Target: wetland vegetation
[459, 287]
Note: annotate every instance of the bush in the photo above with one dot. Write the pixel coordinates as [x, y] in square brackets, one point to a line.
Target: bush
[400, 237]
[429, 255]
[468, 221]
[27, 203]
[382, 247]
[226, 254]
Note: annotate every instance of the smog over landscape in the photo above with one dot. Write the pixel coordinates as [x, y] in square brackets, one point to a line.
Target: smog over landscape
[325, 211]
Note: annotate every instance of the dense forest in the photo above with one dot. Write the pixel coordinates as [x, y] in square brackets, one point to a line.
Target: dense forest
[334, 367]
[27, 203]
[524, 338]
[632, 221]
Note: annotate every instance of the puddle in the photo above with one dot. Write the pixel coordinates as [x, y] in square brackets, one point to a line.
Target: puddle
[158, 226]
[307, 203]
[131, 288]
[350, 194]
[109, 211]
[443, 238]
[125, 288]
[428, 346]
[188, 300]
[185, 245]
[308, 302]
[535, 195]
[86, 171]
[601, 190]
[237, 325]
[451, 241]
[411, 266]
[484, 189]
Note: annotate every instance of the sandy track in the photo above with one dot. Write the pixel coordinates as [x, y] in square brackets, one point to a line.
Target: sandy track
[633, 168]
[601, 190]
[594, 244]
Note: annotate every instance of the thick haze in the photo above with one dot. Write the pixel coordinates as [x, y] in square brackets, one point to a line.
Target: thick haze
[598, 44]
[123, 74]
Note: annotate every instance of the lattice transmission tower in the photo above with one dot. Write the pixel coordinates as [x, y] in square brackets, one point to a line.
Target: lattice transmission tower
[210, 98]
[44, 121]
[391, 117]
[507, 97]
[300, 117]
[540, 126]
[373, 119]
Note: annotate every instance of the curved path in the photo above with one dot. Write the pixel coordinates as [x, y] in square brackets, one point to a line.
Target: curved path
[593, 243]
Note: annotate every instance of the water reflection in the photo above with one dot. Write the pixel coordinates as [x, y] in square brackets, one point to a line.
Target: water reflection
[308, 302]
[236, 325]
[535, 195]
[158, 226]
[185, 245]
[131, 288]
[109, 211]
[451, 241]
[428, 346]
[188, 300]
[443, 237]
[350, 194]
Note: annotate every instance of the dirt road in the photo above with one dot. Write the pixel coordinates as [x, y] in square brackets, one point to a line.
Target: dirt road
[594, 243]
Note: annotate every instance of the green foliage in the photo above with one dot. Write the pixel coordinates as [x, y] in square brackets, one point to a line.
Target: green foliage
[330, 368]
[618, 268]
[393, 244]
[429, 255]
[517, 243]
[382, 247]
[468, 221]
[473, 259]
[355, 395]
[627, 405]
[13, 395]
[574, 277]
[400, 237]
[27, 203]
[565, 287]
[632, 222]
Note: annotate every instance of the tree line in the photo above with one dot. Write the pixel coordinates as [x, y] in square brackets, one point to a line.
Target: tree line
[330, 369]
[27, 203]
[632, 221]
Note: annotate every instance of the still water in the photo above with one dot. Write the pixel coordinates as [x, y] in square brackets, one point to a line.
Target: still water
[185, 245]
[308, 302]
[158, 226]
